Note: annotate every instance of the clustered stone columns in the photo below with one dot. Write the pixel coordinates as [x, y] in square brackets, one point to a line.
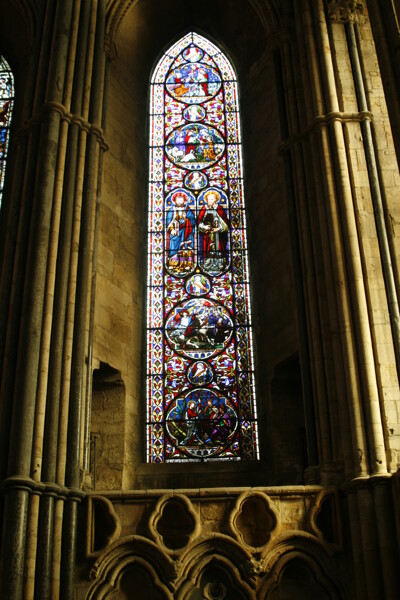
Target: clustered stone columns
[342, 326]
[45, 289]
[385, 18]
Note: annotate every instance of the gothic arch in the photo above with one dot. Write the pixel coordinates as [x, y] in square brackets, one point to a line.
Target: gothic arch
[308, 553]
[109, 570]
[216, 554]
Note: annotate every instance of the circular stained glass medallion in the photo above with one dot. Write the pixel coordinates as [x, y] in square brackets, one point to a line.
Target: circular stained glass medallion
[201, 423]
[193, 83]
[200, 373]
[194, 113]
[193, 54]
[198, 285]
[195, 181]
[198, 328]
[194, 146]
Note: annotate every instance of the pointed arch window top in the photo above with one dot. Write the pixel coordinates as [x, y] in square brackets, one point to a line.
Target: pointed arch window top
[200, 373]
[6, 107]
[192, 40]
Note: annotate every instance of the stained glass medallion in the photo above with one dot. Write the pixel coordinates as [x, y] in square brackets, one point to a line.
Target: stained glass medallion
[200, 370]
[6, 107]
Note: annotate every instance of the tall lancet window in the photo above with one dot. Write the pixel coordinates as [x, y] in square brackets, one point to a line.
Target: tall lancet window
[6, 106]
[200, 378]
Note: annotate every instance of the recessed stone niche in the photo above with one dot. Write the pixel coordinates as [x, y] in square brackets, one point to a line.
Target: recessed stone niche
[170, 511]
[253, 520]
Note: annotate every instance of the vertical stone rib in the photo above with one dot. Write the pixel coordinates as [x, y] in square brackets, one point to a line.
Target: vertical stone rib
[93, 103]
[369, 538]
[357, 546]
[17, 233]
[319, 174]
[326, 336]
[47, 438]
[388, 547]
[376, 194]
[73, 98]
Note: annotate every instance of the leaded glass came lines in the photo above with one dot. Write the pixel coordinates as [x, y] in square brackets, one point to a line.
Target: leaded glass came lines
[200, 369]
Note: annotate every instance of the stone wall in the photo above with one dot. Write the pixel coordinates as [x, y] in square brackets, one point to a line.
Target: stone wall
[120, 318]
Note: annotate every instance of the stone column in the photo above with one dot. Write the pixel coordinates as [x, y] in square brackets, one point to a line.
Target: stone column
[342, 323]
[47, 292]
[328, 244]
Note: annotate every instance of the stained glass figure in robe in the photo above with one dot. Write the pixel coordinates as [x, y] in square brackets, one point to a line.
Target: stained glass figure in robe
[200, 374]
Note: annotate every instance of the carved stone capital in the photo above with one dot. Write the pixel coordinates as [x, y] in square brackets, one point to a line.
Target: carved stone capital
[342, 11]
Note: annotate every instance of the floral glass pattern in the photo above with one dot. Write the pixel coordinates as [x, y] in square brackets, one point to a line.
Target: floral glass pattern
[6, 107]
[200, 374]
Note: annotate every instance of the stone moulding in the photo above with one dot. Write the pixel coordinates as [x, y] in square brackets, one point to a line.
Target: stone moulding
[174, 508]
[253, 520]
[65, 115]
[322, 121]
[107, 572]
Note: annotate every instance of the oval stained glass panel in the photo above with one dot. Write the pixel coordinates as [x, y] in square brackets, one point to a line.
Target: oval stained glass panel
[195, 181]
[193, 83]
[194, 113]
[193, 54]
[198, 328]
[198, 285]
[194, 146]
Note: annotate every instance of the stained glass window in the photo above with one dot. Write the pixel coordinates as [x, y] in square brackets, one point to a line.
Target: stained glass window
[6, 106]
[200, 375]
